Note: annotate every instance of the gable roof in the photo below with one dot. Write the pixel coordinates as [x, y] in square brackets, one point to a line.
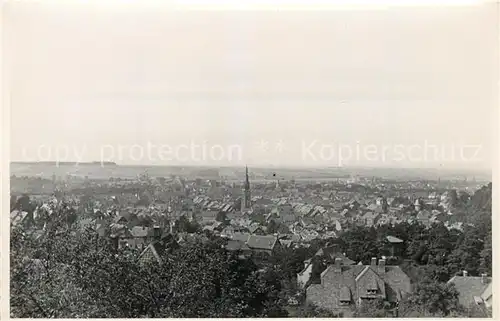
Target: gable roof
[240, 236]
[150, 252]
[345, 294]
[423, 215]
[487, 293]
[156, 248]
[253, 228]
[263, 242]
[333, 252]
[233, 245]
[469, 287]
[16, 217]
[393, 283]
[370, 215]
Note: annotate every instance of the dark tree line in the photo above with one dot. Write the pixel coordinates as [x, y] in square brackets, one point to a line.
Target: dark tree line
[66, 273]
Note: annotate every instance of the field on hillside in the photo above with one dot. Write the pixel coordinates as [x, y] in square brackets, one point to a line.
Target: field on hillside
[96, 171]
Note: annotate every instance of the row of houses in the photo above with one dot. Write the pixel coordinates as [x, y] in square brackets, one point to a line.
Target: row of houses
[344, 285]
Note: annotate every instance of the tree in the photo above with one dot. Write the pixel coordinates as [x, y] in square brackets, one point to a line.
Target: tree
[23, 203]
[13, 200]
[485, 265]
[371, 309]
[288, 262]
[433, 299]
[272, 227]
[467, 254]
[79, 274]
[184, 225]
[360, 244]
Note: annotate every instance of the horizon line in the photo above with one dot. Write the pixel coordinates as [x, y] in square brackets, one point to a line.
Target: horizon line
[261, 166]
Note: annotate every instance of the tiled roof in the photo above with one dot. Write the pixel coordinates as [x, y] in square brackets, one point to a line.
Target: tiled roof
[345, 294]
[240, 236]
[16, 217]
[233, 245]
[333, 252]
[469, 287]
[253, 228]
[487, 293]
[264, 242]
[423, 215]
[391, 284]
[370, 215]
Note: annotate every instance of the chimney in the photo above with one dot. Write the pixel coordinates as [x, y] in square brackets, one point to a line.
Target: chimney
[381, 266]
[465, 273]
[484, 280]
[338, 265]
[374, 261]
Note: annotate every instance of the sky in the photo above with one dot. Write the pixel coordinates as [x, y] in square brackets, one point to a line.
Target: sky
[152, 85]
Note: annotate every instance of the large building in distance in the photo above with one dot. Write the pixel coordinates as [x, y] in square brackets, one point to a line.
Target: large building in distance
[246, 197]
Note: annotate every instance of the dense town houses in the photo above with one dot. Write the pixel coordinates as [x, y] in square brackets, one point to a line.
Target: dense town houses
[263, 220]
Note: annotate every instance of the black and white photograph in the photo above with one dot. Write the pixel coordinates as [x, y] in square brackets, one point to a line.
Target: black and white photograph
[249, 159]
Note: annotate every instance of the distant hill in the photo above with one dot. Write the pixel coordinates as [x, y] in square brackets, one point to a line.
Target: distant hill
[52, 163]
[105, 170]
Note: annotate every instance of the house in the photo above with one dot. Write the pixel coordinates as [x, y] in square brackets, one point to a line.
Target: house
[395, 245]
[140, 236]
[353, 204]
[344, 287]
[304, 276]
[307, 235]
[235, 245]
[263, 243]
[384, 219]
[373, 207]
[137, 220]
[207, 217]
[155, 250]
[256, 229]
[424, 218]
[18, 218]
[370, 218]
[286, 243]
[473, 290]
[329, 254]
[333, 252]
[487, 296]
[242, 237]
[286, 218]
[214, 227]
[123, 218]
[101, 227]
[191, 238]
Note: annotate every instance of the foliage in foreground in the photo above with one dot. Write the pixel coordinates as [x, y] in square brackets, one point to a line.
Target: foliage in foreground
[62, 274]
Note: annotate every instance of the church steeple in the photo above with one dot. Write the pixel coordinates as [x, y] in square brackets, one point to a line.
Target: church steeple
[247, 181]
[245, 200]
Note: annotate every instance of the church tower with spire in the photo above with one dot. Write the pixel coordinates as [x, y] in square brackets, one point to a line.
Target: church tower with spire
[245, 200]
